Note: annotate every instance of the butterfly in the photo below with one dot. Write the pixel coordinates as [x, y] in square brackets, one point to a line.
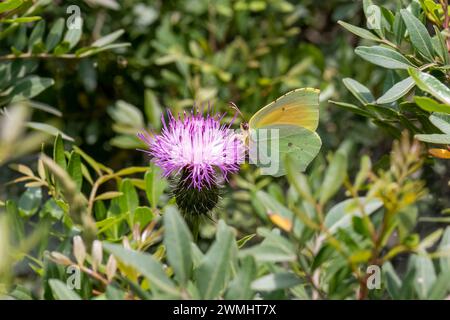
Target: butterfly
[284, 128]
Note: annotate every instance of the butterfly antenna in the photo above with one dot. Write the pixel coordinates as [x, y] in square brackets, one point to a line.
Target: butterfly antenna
[233, 106]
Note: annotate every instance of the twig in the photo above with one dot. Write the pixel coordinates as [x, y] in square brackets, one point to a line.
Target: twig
[38, 56]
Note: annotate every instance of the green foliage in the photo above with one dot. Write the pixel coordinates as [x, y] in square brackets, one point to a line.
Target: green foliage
[86, 200]
[405, 45]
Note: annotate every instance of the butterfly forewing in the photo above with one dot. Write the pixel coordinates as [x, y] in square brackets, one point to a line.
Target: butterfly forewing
[299, 107]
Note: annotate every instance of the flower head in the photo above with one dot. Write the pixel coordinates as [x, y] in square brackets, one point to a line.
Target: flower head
[197, 147]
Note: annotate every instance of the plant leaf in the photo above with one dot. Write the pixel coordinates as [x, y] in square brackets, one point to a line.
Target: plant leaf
[240, 287]
[155, 185]
[418, 34]
[430, 84]
[397, 91]
[334, 177]
[384, 57]
[145, 264]
[431, 105]
[108, 39]
[55, 34]
[61, 291]
[361, 92]
[9, 5]
[276, 281]
[177, 240]
[215, 269]
[363, 33]
[340, 216]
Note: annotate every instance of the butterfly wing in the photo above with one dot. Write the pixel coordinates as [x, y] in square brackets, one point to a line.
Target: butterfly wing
[299, 107]
[269, 148]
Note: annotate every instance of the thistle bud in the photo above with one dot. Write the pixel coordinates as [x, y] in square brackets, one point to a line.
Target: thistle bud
[111, 267]
[79, 250]
[97, 254]
[59, 258]
[126, 243]
[136, 232]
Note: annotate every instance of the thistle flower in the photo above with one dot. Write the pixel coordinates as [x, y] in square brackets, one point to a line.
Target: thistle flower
[200, 152]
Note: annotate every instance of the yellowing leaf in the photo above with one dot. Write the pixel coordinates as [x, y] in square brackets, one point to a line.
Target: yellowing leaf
[281, 222]
[23, 169]
[439, 153]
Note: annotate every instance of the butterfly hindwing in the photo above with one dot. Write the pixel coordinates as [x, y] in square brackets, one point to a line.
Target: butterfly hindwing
[273, 143]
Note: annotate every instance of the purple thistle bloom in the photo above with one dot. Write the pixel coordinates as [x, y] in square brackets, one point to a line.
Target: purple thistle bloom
[196, 147]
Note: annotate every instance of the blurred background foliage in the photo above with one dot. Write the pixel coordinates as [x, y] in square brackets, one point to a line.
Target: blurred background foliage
[94, 90]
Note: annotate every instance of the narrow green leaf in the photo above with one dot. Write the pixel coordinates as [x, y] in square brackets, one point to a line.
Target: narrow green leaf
[434, 138]
[29, 87]
[363, 33]
[58, 152]
[145, 264]
[16, 221]
[274, 248]
[51, 130]
[214, 272]
[430, 84]
[361, 92]
[353, 108]
[441, 121]
[73, 36]
[373, 15]
[21, 39]
[431, 105]
[276, 281]
[108, 195]
[399, 28]
[340, 215]
[177, 240]
[444, 247]
[142, 216]
[61, 291]
[98, 167]
[74, 169]
[108, 39]
[37, 34]
[21, 20]
[87, 52]
[418, 34]
[363, 173]
[130, 200]
[440, 46]
[384, 57]
[440, 287]
[155, 185]
[425, 276]
[9, 5]
[240, 287]
[242, 241]
[62, 48]
[277, 240]
[334, 177]
[153, 109]
[299, 181]
[397, 91]
[55, 34]
[393, 282]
